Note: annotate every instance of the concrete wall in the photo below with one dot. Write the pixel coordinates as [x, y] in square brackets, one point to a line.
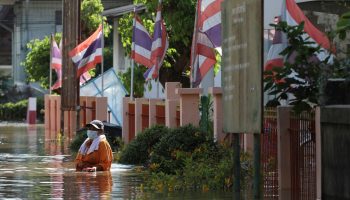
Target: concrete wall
[35, 19]
[335, 150]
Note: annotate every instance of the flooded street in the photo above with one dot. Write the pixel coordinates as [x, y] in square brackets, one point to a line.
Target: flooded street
[32, 168]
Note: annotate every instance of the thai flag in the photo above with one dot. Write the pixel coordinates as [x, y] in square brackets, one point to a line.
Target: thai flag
[210, 20]
[202, 52]
[160, 45]
[293, 15]
[56, 63]
[141, 44]
[89, 53]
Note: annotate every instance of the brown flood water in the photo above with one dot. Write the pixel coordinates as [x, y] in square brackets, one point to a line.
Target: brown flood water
[32, 168]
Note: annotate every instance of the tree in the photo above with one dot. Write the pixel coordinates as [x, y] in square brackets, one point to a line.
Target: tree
[138, 80]
[298, 80]
[179, 18]
[302, 80]
[37, 61]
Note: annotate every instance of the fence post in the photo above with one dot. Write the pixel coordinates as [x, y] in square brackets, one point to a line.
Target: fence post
[152, 111]
[125, 129]
[283, 153]
[171, 102]
[101, 108]
[138, 115]
[318, 154]
[189, 105]
[216, 92]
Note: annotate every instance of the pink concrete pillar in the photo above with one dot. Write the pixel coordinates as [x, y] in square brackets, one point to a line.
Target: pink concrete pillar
[58, 114]
[189, 105]
[89, 108]
[170, 90]
[138, 114]
[283, 153]
[170, 112]
[318, 154]
[47, 113]
[53, 107]
[171, 103]
[248, 144]
[152, 111]
[101, 108]
[82, 114]
[216, 92]
[70, 124]
[125, 129]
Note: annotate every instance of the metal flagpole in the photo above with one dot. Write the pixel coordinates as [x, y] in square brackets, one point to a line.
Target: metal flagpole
[133, 62]
[157, 64]
[157, 77]
[102, 64]
[50, 76]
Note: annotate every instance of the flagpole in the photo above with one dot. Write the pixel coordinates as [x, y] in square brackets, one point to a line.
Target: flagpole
[133, 63]
[102, 64]
[50, 76]
[157, 64]
[158, 77]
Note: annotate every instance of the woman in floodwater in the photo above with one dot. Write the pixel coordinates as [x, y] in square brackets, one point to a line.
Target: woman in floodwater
[95, 154]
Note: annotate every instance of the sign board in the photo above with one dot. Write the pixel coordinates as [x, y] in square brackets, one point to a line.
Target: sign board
[242, 65]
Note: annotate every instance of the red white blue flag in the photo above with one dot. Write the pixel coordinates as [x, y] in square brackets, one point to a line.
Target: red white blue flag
[89, 53]
[293, 15]
[56, 63]
[210, 20]
[141, 44]
[160, 45]
[202, 52]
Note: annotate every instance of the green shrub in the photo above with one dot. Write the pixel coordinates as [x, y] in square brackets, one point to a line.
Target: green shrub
[183, 139]
[208, 167]
[14, 111]
[139, 149]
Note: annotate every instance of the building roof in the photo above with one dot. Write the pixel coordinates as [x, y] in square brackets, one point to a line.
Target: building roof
[115, 12]
[326, 6]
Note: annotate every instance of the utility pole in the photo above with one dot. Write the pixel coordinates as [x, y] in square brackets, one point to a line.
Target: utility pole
[70, 39]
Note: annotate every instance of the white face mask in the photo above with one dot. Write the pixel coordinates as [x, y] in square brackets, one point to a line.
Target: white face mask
[91, 134]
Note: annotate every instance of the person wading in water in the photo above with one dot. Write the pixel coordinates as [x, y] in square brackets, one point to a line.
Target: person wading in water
[95, 154]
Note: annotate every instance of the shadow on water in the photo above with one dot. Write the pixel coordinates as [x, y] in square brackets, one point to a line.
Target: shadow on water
[33, 168]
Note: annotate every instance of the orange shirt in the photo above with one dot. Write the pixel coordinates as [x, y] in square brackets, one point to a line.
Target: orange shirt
[102, 157]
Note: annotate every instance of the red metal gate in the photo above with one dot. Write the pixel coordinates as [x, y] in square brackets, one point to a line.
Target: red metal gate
[145, 116]
[131, 115]
[269, 154]
[303, 155]
[160, 114]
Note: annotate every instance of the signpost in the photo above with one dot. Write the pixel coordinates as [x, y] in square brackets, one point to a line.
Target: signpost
[242, 78]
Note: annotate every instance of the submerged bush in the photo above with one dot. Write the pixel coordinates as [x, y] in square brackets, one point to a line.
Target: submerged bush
[208, 167]
[138, 150]
[184, 158]
[167, 152]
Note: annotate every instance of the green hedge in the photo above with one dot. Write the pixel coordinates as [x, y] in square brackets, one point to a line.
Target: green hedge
[18, 111]
[138, 150]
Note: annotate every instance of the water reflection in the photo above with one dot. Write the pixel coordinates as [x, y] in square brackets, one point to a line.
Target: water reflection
[34, 168]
